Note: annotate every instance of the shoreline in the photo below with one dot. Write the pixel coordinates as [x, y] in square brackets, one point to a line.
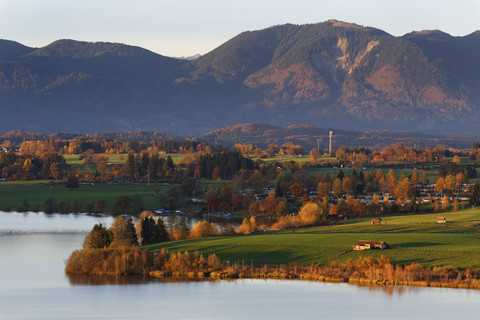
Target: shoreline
[473, 284]
[133, 261]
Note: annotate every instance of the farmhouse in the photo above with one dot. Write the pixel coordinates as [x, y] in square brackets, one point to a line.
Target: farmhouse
[370, 245]
[376, 221]
[441, 220]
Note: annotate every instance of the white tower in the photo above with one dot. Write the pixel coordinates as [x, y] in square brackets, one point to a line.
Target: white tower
[330, 142]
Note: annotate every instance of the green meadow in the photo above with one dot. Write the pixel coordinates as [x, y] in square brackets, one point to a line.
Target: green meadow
[412, 238]
[116, 158]
[36, 193]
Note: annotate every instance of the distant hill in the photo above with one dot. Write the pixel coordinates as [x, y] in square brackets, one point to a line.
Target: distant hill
[10, 50]
[330, 74]
[16, 137]
[309, 137]
[262, 135]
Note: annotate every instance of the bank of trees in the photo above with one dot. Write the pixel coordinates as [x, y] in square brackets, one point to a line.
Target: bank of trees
[49, 165]
[270, 152]
[83, 145]
[365, 270]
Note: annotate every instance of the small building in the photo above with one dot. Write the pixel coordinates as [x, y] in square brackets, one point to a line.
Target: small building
[370, 245]
[441, 220]
[377, 221]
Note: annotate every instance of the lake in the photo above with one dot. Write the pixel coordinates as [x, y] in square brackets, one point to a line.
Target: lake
[33, 285]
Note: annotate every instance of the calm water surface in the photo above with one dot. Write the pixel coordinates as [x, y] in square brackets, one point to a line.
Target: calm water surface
[33, 247]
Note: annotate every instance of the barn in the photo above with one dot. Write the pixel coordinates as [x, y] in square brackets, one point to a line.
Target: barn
[370, 245]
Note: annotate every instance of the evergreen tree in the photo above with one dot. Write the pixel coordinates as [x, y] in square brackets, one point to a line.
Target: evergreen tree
[150, 233]
[50, 205]
[72, 181]
[98, 238]
[162, 231]
[124, 232]
[475, 194]
[340, 175]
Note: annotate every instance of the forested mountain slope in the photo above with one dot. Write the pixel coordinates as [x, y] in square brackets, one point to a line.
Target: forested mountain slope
[330, 74]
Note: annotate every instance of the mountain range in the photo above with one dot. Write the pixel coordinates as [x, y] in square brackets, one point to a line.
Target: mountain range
[330, 74]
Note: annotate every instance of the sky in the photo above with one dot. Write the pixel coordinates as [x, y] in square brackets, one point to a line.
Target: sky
[183, 28]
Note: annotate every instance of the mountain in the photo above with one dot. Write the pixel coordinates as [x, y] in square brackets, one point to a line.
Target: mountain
[330, 74]
[10, 50]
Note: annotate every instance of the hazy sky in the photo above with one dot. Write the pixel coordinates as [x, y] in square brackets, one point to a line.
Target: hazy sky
[183, 28]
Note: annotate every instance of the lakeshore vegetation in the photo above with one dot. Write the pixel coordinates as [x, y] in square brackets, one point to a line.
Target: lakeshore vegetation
[422, 252]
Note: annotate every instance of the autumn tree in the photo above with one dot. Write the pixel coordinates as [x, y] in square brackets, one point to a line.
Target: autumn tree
[296, 190]
[445, 202]
[237, 200]
[460, 177]
[375, 205]
[391, 180]
[100, 206]
[323, 189]
[123, 232]
[213, 202]
[337, 187]
[122, 205]
[450, 183]
[248, 226]
[98, 238]
[203, 229]
[310, 214]
[455, 205]
[414, 178]
[401, 188]
[440, 184]
[180, 230]
[347, 185]
[225, 197]
[254, 208]
[314, 155]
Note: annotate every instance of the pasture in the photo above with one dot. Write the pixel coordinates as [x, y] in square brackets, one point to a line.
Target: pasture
[412, 238]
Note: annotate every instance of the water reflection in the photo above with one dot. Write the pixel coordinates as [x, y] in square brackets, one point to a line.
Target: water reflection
[388, 289]
[85, 280]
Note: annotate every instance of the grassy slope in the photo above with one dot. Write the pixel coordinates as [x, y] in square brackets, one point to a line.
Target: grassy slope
[412, 239]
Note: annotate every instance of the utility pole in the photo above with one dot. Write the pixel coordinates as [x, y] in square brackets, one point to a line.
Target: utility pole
[330, 133]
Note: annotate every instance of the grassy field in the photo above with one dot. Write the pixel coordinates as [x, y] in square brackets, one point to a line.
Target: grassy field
[36, 193]
[300, 158]
[116, 158]
[416, 239]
